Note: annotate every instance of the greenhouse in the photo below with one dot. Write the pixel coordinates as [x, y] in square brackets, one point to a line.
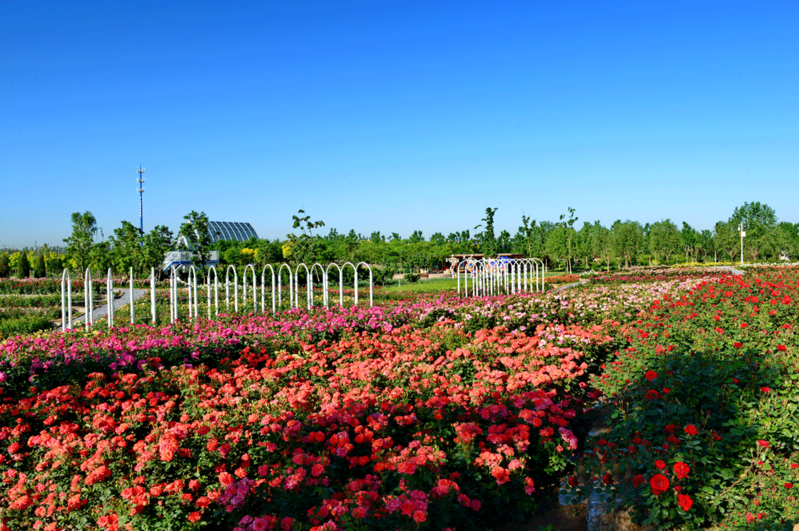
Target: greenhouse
[230, 230]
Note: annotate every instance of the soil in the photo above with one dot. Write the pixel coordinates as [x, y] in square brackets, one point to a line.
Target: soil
[558, 518]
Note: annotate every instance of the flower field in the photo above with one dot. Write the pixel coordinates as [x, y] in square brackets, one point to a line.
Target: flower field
[428, 413]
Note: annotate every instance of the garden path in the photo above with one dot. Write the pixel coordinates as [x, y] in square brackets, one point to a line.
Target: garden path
[102, 311]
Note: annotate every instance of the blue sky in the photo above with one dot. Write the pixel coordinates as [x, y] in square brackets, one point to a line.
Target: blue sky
[395, 116]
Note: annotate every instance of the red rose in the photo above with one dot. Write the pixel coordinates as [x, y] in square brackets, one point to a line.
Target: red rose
[764, 444]
[681, 470]
[659, 484]
[685, 501]
[637, 480]
[690, 429]
[660, 464]
[788, 486]
[652, 394]
[650, 375]
[783, 348]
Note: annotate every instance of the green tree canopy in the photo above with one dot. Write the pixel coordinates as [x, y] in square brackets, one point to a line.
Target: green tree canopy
[81, 241]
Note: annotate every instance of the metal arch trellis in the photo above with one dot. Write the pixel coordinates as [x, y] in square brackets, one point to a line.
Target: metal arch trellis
[235, 288]
[250, 267]
[323, 276]
[216, 290]
[109, 290]
[66, 306]
[279, 287]
[173, 294]
[263, 285]
[192, 288]
[371, 283]
[308, 286]
[498, 275]
[340, 283]
[88, 303]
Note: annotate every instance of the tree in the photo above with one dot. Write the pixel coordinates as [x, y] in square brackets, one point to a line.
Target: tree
[80, 243]
[569, 234]
[488, 244]
[194, 235]
[787, 240]
[690, 239]
[526, 235]
[726, 237]
[760, 223]
[155, 245]
[557, 244]
[416, 237]
[23, 266]
[39, 268]
[126, 244]
[303, 249]
[627, 240]
[5, 270]
[664, 239]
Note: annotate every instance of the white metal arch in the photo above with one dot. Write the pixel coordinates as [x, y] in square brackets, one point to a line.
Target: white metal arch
[109, 290]
[355, 275]
[324, 282]
[308, 286]
[263, 285]
[216, 290]
[254, 288]
[88, 303]
[152, 293]
[66, 310]
[279, 280]
[340, 282]
[192, 285]
[371, 284]
[235, 288]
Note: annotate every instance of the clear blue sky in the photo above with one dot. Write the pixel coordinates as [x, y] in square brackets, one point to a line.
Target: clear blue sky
[395, 116]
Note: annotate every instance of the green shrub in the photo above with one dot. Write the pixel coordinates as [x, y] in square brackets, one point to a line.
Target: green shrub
[39, 269]
[23, 266]
[411, 277]
[5, 269]
[24, 325]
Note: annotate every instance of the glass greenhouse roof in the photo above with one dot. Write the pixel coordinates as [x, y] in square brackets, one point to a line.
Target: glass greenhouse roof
[230, 230]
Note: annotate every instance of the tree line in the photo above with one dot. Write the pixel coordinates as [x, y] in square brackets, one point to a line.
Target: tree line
[562, 244]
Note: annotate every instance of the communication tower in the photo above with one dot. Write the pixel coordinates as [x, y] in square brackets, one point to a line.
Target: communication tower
[140, 180]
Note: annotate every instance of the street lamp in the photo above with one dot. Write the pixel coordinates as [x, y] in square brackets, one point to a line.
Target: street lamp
[743, 233]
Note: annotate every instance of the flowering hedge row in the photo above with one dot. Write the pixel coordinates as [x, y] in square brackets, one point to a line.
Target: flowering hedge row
[702, 405]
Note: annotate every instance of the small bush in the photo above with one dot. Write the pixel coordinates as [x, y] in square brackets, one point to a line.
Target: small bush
[412, 277]
[5, 269]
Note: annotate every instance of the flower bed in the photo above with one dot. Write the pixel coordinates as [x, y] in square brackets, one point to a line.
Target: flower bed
[703, 406]
[430, 413]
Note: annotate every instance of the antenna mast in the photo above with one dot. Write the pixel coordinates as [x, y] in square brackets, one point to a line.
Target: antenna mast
[140, 180]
